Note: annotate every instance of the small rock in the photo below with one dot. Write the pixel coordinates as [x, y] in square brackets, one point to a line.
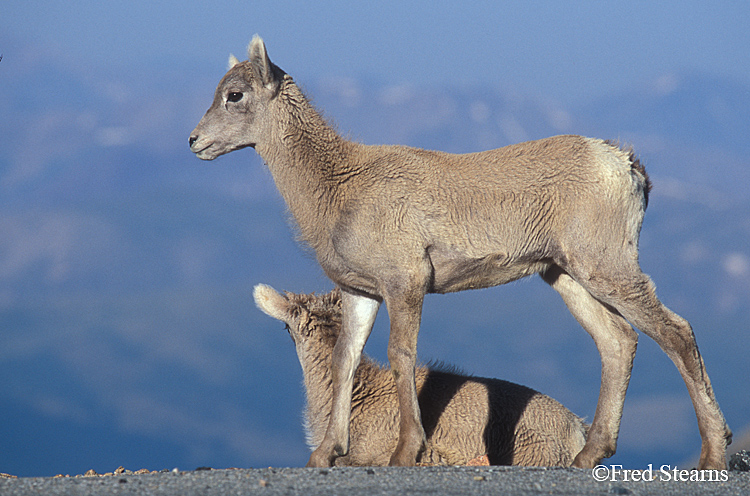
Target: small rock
[480, 461]
[740, 461]
[618, 490]
[8, 476]
[263, 483]
[142, 471]
[90, 473]
[120, 470]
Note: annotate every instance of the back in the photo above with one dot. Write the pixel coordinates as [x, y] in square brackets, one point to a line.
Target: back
[509, 423]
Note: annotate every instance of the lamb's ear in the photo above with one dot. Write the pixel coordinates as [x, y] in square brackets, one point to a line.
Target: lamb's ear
[272, 303]
[233, 61]
[261, 64]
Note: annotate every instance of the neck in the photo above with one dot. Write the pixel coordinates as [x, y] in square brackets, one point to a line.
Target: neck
[318, 390]
[306, 158]
[368, 376]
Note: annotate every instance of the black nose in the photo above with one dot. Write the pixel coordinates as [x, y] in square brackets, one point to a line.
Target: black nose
[193, 139]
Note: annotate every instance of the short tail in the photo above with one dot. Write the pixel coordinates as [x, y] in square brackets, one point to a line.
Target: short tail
[638, 169]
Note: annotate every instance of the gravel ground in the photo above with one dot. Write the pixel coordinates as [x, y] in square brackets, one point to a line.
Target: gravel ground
[383, 481]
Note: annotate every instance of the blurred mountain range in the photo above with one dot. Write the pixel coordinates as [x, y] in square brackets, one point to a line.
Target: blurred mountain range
[129, 336]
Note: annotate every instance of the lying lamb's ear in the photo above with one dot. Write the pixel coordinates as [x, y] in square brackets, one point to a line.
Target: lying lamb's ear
[272, 303]
[233, 61]
[261, 64]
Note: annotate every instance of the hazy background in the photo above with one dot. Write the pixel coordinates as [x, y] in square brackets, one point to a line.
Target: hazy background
[128, 335]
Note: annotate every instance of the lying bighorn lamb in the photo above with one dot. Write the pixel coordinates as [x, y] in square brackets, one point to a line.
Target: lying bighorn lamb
[464, 417]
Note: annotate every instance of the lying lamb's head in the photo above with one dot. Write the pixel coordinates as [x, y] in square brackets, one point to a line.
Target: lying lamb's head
[311, 319]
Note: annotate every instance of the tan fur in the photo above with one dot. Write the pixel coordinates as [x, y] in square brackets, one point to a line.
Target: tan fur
[468, 419]
[392, 223]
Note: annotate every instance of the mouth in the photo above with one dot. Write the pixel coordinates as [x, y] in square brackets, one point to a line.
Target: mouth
[210, 152]
[203, 155]
[205, 149]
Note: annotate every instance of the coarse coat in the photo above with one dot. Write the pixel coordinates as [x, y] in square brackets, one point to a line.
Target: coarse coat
[393, 223]
[466, 419]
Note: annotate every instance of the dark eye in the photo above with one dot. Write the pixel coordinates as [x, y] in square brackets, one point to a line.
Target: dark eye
[234, 96]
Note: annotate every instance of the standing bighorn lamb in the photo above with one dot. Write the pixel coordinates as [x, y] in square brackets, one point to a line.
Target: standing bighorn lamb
[392, 223]
[465, 418]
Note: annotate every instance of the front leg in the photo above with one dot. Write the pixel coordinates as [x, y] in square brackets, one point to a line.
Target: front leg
[405, 313]
[358, 315]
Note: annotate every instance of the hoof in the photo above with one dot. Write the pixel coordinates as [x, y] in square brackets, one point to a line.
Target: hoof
[713, 463]
[402, 459]
[402, 462]
[320, 460]
[585, 459]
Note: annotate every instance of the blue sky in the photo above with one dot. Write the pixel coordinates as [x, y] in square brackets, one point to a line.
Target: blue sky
[569, 51]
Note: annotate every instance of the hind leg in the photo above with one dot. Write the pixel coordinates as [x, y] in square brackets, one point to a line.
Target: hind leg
[633, 294]
[616, 342]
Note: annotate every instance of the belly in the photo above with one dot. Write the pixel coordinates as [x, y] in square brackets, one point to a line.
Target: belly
[455, 273]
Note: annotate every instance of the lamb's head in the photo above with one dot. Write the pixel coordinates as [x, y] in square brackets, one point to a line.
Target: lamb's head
[313, 321]
[239, 116]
